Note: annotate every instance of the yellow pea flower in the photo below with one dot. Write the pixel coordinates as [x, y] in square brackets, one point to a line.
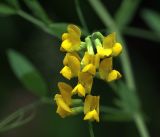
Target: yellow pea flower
[71, 65]
[90, 63]
[86, 80]
[90, 59]
[106, 72]
[71, 40]
[91, 108]
[79, 89]
[90, 68]
[109, 47]
[63, 100]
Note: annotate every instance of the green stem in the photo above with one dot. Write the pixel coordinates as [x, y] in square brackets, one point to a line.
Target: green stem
[81, 17]
[35, 21]
[141, 125]
[109, 22]
[125, 13]
[91, 129]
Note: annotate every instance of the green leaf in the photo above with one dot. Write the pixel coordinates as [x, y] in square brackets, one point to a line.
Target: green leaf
[37, 10]
[152, 19]
[128, 100]
[6, 10]
[14, 3]
[27, 74]
[126, 11]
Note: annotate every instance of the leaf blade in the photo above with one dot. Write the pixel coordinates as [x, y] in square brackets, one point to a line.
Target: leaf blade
[27, 74]
[6, 10]
[152, 19]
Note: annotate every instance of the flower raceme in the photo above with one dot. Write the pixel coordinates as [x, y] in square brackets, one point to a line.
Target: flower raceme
[84, 61]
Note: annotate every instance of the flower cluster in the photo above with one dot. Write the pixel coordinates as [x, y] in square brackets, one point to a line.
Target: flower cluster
[84, 61]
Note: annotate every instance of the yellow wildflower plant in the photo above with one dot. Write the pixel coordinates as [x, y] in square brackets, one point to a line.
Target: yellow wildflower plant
[84, 60]
[106, 72]
[71, 65]
[109, 46]
[63, 100]
[71, 41]
[91, 108]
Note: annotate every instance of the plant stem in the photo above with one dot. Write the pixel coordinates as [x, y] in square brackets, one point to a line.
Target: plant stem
[35, 21]
[141, 125]
[126, 5]
[109, 22]
[91, 129]
[81, 17]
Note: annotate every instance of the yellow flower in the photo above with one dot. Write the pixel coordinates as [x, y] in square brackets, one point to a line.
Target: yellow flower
[106, 72]
[90, 59]
[90, 68]
[71, 40]
[110, 47]
[79, 89]
[63, 100]
[90, 63]
[71, 65]
[91, 108]
[86, 80]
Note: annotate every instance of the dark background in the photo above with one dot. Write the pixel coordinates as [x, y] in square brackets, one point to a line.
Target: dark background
[42, 50]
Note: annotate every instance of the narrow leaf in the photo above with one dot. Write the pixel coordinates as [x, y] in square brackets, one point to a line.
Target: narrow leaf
[6, 10]
[27, 74]
[14, 3]
[126, 11]
[152, 19]
[37, 10]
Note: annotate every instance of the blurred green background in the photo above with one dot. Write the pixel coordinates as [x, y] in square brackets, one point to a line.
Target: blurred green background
[42, 50]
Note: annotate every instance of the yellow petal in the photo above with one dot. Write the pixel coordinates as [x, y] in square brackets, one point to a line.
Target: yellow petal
[67, 45]
[86, 80]
[92, 115]
[65, 90]
[109, 40]
[90, 59]
[105, 67]
[79, 89]
[104, 52]
[117, 48]
[74, 65]
[65, 36]
[74, 29]
[60, 102]
[96, 61]
[113, 75]
[87, 59]
[66, 61]
[91, 102]
[66, 72]
[62, 112]
[90, 68]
